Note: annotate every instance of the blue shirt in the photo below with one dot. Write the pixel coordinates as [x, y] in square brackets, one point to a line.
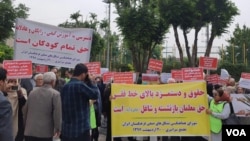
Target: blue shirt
[75, 96]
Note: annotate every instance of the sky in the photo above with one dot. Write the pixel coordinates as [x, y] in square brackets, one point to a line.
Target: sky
[54, 12]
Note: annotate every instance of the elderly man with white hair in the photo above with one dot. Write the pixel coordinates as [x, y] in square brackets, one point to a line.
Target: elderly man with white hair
[38, 79]
[42, 112]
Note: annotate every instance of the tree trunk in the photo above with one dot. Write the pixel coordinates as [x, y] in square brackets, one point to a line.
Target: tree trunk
[195, 48]
[149, 53]
[177, 41]
[209, 45]
[187, 48]
[145, 61]
[134, 53]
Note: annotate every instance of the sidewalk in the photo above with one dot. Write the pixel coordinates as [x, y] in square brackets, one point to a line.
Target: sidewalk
[102, 135]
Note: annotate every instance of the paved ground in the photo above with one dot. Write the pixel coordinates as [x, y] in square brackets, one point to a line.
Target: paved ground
[102, 137]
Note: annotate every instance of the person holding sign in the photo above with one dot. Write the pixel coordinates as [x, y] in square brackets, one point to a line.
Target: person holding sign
[218, 110]
[17, 97]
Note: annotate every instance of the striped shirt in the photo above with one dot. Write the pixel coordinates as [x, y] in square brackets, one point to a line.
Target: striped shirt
[75, 96]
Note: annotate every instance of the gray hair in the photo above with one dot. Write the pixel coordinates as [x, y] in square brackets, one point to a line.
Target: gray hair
[38, 75]
[48, 77]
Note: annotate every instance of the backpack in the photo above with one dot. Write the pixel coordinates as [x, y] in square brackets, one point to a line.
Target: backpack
[232, 119]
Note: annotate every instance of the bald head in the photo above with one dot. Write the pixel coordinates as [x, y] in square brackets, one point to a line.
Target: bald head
[171, 80]
[231, 82]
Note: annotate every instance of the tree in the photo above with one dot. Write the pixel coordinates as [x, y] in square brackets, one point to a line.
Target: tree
[22, 11]
[178, 13]
[8, 15]
[75, 16]
[221, 17]
[239, 46]
[7, 19]
[195, 14]
[97, 42]
[170, 63]
[186, 15]
[141, 27]
[6, 52]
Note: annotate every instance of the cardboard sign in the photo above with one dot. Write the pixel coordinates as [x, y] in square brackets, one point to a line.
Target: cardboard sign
[208, 63]
[213, 79]
[155, 65]
[150, 79]
[42, 68]
[18, 68]
[176, 74]
[94, 68]
[124, 77]
[245, 75]
[192, 74]
[107, 77]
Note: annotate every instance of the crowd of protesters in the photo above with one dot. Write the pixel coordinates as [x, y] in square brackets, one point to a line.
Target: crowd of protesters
[47, 106]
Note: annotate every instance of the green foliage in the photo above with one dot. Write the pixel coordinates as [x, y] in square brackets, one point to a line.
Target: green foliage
[7, 19]
[97, 42]
[6, 52]
[8, 15]
[157, 52]
[221, 15]
[126, 67]
[234, 70]
[239, 46]
[195, 14]
[97, 45]
[22, 11]
[141, 27]
[172, 62]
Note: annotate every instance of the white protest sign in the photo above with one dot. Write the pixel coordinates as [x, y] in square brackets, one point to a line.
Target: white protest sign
[165, 77]
[51, 45]
[244, 83]
[241, 104]
[104, 70]
[224, 74]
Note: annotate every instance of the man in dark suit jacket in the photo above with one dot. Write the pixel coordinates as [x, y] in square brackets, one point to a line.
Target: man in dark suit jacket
[6, 132]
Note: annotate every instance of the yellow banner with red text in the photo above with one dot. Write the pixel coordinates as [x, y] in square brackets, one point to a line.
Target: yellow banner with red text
[177, 109]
